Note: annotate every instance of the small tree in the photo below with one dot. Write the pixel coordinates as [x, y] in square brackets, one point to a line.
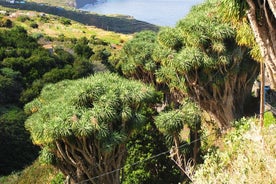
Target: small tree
[144, 144]
[82, 48]
[171, 124]
[83, 125]
[34, 25]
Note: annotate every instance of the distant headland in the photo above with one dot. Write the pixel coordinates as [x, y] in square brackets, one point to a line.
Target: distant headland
[82, 3]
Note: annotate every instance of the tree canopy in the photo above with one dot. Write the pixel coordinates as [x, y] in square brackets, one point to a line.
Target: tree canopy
[199, 59]
[83, 125]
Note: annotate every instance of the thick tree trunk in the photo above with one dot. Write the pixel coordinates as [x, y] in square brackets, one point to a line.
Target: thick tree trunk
[264, 29]
[225, 101]
[85, 163]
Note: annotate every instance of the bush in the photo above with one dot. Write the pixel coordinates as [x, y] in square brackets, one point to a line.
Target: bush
[37, 35]
[17, 150]
[269, 119]
[34, 25]
[6, 23]
[23, 18]
[65, 21]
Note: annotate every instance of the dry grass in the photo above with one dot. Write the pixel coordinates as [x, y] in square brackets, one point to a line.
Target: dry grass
[248, 156]
[35, 174]
[53, 27]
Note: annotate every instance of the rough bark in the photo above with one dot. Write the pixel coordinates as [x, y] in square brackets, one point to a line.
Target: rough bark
[85, 162]
[262, 18]
[224, 101]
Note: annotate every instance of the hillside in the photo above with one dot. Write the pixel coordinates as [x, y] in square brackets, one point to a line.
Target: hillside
[46, 49]
[60, 3]
[118, 24]
[245, 154]
[65, 3]
[55, 26]
[101, 106]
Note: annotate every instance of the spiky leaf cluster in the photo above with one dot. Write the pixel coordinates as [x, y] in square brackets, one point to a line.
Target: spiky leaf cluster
[104, 107]
[172, 122]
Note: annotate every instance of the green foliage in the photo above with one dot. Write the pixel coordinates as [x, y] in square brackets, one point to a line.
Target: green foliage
[181, 128]
[84, 94]
[135, 60]
[23, 18]
[210, 63]
[25, 67]
[65, 21]
[172, 122]
[4, 22]
[144, 144]
[58, 179]
[103, 110]
[170, 38]
[63, 58]
[17, 150]
[34, 25]
[246, 156]
[269, 119]
[234, 9]
[30, 93]
[36, 173]
[82, 48]
[57, 74]
[46, 157]
[101, 54]
[10, 85]
[82, 68]
[37, 36]
[21, 54]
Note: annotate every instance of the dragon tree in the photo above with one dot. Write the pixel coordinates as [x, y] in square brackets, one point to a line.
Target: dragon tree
[83, 125]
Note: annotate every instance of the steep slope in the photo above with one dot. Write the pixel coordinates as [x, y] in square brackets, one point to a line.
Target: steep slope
[246, 155]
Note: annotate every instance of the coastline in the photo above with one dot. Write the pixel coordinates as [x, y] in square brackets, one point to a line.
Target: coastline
[118, 23]
[82, 3]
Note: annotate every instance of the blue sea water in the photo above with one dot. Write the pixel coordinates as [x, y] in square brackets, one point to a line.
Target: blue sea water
[158, 12]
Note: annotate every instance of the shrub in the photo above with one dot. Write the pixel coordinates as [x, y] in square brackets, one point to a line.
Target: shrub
[6, 23]
[65, 21]
[34, 25]
[23, 18]
[248, 156]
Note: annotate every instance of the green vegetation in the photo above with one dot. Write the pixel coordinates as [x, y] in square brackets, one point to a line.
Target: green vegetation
[157, 107]
[110, 23]
[95, 121]
[60, 3]
[25, 67]
[53, 26]
[198, 58]
[17, 150]
[247, 155]
[260, 17]
[36, 173]
[145, 144]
